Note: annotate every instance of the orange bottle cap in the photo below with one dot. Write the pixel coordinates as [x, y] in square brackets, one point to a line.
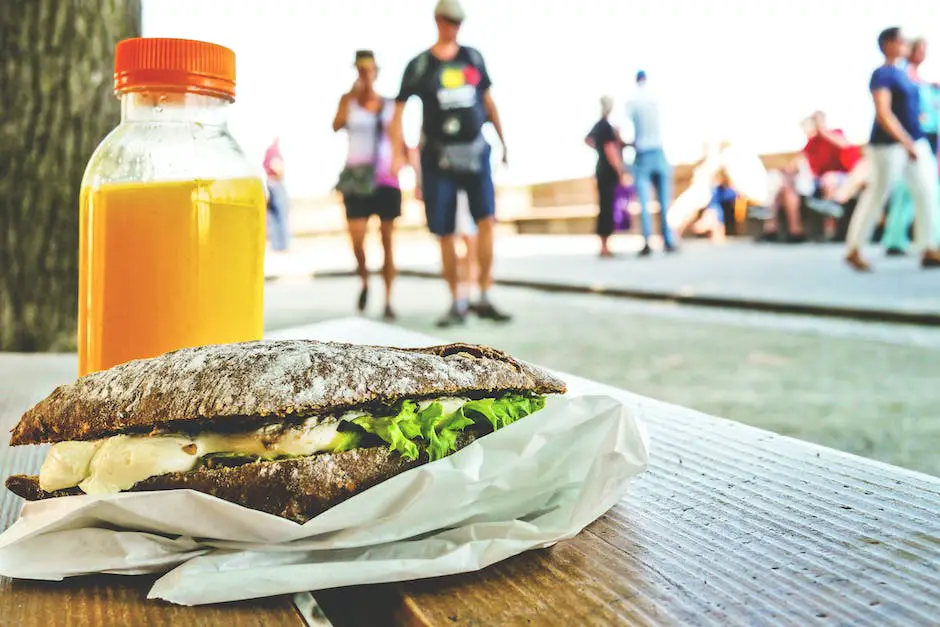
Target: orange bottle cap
[152, 63]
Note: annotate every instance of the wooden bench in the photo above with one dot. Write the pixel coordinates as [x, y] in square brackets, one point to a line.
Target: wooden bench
[570, 206]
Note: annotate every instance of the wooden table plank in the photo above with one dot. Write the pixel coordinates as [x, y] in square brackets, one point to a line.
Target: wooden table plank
[93, 600]
[122, 600]
[730, 525]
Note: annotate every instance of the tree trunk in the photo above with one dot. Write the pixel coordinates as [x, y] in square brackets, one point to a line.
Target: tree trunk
[56, 65]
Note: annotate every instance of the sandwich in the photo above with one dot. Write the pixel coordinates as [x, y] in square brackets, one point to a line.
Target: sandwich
[290, 428]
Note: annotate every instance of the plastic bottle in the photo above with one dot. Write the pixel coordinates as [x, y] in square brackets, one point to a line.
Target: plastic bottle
[171, 214]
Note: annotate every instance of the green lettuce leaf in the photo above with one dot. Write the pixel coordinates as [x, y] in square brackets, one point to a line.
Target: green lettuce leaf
[437, 432]
[505, 410]
[440, 431]
[389, 428]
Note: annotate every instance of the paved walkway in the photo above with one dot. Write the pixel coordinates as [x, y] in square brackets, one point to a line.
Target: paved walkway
[808, 278]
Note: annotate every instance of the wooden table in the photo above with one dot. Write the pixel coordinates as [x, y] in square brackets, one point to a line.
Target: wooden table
[731, 525]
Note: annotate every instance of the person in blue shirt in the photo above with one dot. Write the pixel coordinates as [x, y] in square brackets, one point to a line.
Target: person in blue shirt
[651, 165]
[901, 212]
[897, 150]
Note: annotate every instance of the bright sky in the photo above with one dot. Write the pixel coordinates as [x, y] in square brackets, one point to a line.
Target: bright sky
[747, 70]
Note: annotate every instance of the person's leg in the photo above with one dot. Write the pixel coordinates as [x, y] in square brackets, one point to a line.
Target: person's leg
[481, 199]
[466, 254]
[463, 271]
[357, 236]
[388, 265]
[273, 230]
[771, 226]
[283, 213]
[472, 262]
[449, 265]
[921, 176]
[900, 215]
[664, 187]
[388, 204]
[643, 179]
[440, 206]
[852, 183]
[485, 244]
[887, 167]
[790, 202]
[277, 212]
[605, 213]
[719, 231]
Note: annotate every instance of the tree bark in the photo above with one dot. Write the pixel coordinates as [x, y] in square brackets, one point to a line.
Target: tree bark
[56, 67]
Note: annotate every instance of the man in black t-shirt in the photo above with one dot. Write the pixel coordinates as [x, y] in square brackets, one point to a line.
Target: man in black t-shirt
[452, 82]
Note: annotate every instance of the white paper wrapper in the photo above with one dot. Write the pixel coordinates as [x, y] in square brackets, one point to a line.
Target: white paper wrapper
[527, 486]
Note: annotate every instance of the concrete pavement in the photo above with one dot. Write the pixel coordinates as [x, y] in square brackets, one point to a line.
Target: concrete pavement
[807, 278]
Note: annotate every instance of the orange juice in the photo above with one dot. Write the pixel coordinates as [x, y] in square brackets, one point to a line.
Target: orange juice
[164, 266]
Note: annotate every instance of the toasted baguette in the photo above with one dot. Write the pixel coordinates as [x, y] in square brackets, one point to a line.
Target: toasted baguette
[297, 489]
[239, 386]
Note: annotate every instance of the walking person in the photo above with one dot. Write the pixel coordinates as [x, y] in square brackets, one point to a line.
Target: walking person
[277, 197]
[901, 212]
[650, 166]
[898, 150]
[453, 85]
[605, 140]
[368, 185]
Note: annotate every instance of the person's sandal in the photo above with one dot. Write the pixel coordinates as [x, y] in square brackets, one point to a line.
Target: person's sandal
[858, 264]
[389, 315]
[931, 259]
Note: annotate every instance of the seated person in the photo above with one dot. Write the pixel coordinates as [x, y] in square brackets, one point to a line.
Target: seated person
[712, 219]
[728, 175]
[835, 163]
[829, 172]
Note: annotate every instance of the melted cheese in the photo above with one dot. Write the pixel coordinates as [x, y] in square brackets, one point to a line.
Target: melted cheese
[67, 464]
[117, 463]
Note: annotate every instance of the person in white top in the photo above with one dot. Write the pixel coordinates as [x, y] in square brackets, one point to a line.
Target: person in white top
[368, 185]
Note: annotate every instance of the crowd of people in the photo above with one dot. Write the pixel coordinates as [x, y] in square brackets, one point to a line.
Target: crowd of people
[455, 182]
[898, 165]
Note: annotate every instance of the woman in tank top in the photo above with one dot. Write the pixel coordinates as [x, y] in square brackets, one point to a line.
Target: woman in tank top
[365, 115]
